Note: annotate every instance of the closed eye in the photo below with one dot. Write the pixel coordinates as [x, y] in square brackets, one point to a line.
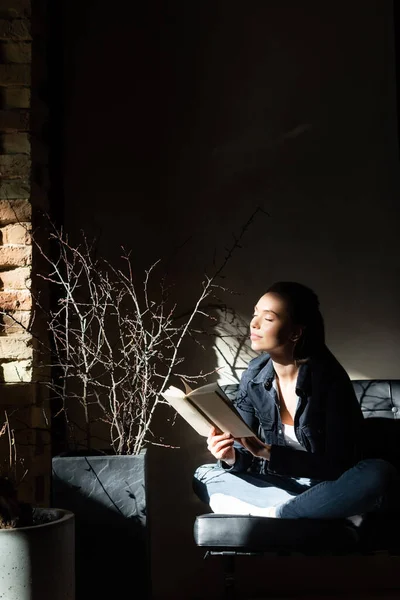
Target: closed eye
[265, 318]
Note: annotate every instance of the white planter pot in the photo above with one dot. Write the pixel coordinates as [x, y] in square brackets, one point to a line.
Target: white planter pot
[38, 562]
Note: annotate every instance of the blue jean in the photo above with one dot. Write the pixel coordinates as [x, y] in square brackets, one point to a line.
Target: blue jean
[371, 485]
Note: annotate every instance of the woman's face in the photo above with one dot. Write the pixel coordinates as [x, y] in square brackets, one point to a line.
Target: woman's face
[271, 329]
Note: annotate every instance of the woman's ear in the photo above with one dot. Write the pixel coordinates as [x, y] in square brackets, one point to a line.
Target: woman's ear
[296, 335]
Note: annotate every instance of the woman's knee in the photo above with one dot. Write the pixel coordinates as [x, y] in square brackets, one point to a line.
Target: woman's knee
[203, 472]
[201, 478]
[381, 473]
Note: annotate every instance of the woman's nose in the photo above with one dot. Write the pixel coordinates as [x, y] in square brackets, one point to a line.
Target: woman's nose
[254, 323]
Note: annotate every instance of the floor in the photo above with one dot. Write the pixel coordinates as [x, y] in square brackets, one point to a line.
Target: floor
[303, 578]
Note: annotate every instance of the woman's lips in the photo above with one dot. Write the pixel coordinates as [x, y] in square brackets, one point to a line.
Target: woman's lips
[254, 336]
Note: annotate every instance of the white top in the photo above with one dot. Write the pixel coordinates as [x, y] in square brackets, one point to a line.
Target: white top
[288, 430]
[290, 437]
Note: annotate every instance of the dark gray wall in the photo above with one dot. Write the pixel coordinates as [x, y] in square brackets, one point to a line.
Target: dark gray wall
[181, 117]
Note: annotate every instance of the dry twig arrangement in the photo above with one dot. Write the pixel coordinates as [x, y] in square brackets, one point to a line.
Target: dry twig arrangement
[116, 342]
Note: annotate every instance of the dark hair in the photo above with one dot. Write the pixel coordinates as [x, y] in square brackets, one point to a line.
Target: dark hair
[303, 307]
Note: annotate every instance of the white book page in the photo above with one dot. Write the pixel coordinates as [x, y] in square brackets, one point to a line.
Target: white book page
[176, 398]
[212, 401]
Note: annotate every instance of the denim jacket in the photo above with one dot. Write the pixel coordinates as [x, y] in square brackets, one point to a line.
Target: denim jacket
[327, 421]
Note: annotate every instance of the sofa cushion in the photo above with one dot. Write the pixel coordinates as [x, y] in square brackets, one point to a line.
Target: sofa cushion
[380, 439]
[380, 404]
[224, 532]
[378, 398]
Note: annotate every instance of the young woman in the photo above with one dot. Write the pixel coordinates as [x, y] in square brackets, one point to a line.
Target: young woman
[304, 461]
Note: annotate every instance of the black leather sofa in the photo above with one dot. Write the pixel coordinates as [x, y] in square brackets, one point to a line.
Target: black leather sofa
[230, 535]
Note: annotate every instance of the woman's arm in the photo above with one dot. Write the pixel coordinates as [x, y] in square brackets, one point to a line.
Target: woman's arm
[243, 458]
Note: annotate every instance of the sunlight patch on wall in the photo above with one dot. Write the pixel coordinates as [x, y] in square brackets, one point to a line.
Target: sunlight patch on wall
[232, 346]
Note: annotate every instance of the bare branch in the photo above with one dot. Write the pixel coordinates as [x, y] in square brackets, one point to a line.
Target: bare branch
[115, 343]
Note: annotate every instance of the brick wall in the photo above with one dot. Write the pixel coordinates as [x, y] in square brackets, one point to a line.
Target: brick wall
[22, 117]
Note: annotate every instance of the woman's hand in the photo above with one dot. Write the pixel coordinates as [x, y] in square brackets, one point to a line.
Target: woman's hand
[221, 446]
[256, 447]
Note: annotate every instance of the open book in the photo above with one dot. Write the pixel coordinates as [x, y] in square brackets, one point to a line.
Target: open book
[206, 407]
